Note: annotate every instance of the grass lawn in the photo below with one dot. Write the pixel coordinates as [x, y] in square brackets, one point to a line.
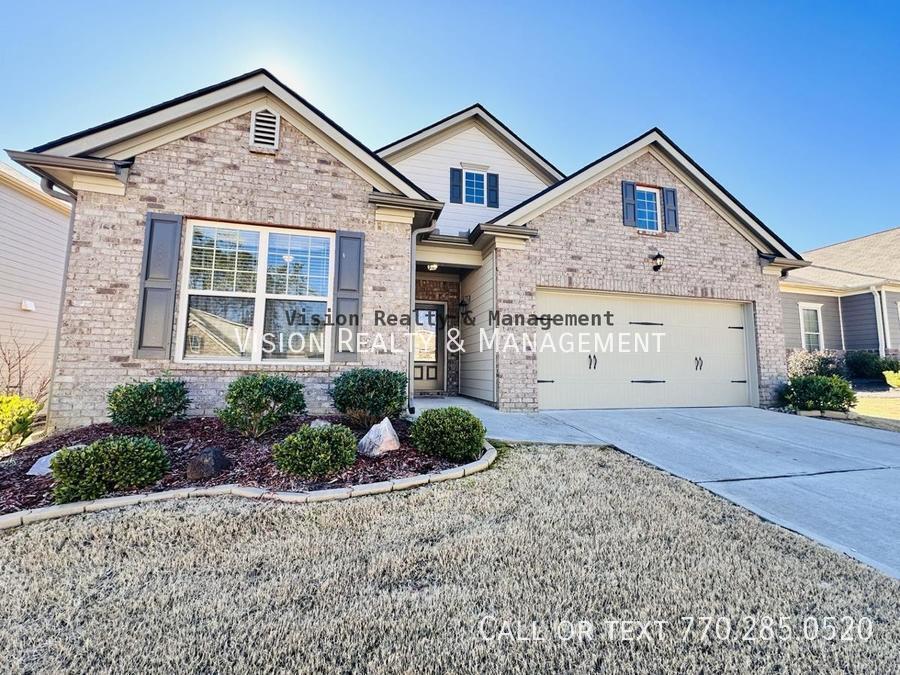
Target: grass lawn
[413, 582]
[878, 406]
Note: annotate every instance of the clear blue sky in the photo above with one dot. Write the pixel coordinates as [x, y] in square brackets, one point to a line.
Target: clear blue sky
[795, 109]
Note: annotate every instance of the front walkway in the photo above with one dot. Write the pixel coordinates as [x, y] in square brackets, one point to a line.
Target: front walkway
[836, 483]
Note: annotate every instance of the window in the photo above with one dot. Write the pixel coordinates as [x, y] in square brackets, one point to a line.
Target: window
[811, 326]
[264, 128]
[255, 294]
[474, 187]
[647, 209]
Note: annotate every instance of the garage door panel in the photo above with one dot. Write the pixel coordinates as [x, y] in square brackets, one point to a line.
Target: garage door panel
[702, 358]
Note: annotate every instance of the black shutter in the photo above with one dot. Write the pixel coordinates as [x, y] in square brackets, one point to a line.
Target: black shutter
[670, 209]
[156, 302]
[628, 205]
[456, 186]
[493, 190]
[348, 280]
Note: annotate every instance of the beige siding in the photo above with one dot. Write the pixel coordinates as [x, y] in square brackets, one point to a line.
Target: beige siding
[31, 268]
[430, 170]
[476, 368]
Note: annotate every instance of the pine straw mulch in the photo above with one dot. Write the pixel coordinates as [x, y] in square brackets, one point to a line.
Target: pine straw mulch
[251, 460]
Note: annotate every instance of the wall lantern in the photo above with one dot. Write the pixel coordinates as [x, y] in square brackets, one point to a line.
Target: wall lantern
[464, 305]
[657, 261]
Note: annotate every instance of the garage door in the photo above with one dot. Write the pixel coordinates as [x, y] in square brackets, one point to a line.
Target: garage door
[658, 352]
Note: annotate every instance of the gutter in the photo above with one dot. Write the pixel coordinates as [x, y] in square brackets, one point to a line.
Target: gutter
[880, 324]
[410, 367]
[50, 189]
[885, 319]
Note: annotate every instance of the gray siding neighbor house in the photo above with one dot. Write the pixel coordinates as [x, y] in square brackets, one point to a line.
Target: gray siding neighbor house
[848, 298]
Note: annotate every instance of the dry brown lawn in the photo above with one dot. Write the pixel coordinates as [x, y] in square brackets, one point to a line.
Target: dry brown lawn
[400, 583]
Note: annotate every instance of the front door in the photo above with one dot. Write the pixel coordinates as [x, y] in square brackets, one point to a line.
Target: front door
[428, 369]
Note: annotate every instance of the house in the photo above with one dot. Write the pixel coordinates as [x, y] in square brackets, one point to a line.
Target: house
[210, 226]
[34, 229]
[848, 298]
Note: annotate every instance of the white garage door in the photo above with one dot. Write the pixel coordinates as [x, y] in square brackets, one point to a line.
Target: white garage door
[658, 352]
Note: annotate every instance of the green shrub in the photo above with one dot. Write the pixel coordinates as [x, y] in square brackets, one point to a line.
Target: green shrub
[869, 365]
[452, 433]
[892, 377]
[108, 465]
[255, 404]
[16, 421]
[368, 395]
[148, 405]
[318, 452]
[818, 392]
[803, 362]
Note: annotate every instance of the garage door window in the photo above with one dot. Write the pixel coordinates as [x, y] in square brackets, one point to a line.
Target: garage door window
[811, 326]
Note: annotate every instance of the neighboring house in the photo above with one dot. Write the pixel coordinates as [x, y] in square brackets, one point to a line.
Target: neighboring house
[33, 240]
[848, 298]
[207, 222]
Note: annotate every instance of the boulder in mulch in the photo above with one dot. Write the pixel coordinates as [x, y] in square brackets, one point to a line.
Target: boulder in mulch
[380, 439]
[207, 463]
[42, 466]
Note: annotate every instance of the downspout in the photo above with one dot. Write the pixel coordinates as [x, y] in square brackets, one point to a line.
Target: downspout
[841, 321]
[49, 188]
[878, 321]
[413, 240]
[885, 319]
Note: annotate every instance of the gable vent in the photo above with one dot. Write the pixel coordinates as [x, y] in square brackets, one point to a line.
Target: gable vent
[264, 129]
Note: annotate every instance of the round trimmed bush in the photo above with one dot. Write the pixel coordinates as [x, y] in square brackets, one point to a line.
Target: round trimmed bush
[316, 452]
[147, 405]
[108, 465]
[818, 392]
[368, 395]
[452, 433]
[255, 404]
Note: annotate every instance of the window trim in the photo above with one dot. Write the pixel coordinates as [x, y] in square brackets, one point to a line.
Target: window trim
[259, 295]
[638, 187]
[817, 307]
[483, 174]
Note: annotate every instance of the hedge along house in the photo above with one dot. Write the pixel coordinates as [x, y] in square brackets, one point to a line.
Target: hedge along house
[207, 222]
[848, 298]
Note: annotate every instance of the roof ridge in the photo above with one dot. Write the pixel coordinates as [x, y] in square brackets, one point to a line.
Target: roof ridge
[847, 241]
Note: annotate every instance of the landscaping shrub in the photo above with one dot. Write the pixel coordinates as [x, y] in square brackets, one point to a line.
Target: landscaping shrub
[368, 395]
[892, 377]
[16, 421]
[316, 452]
[255, 404]
[148, 405]
[819, 392]
[108, 465]
[452, 433]
[803, 362]
[869, 365]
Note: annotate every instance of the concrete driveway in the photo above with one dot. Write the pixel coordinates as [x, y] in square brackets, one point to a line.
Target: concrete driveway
[836, 483]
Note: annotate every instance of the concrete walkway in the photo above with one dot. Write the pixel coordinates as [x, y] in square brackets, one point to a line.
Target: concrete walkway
[836, 483]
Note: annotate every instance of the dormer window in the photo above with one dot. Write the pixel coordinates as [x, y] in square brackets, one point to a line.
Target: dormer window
[474, 182]
[264, 129]
[474, 186]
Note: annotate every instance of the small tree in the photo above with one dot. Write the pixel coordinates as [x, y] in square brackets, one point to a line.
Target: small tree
[20, 374]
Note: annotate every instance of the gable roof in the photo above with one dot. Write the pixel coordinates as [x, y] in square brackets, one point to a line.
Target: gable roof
[475, 113]
[863, 261]
[753, 228]
[102, 140]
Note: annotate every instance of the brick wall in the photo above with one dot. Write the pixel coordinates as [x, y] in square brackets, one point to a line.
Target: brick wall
[443, 290]
[212, 174]
[582, 244]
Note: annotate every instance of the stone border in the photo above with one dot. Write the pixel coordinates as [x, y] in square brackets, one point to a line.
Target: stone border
[830, 414]
[18, 518]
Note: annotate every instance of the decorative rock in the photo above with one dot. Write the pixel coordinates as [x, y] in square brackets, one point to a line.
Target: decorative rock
[381, 439]
[207, 463]
[318, 424]
[42, 466]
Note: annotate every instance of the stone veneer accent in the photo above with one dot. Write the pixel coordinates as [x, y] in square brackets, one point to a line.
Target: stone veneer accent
[582, 244]
[443, 290]
[212, 174]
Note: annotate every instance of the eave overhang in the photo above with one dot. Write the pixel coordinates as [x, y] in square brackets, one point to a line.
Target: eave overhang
[76, 173]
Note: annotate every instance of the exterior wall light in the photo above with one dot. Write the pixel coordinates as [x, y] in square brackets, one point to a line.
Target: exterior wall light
[657, 261]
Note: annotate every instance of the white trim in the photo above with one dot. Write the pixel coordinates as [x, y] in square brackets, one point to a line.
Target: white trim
[259, 295]
[483, 175]
[887, 319]
[817, 307]
[659, 216]
[841, 321]
[879, 320]
[277, 139]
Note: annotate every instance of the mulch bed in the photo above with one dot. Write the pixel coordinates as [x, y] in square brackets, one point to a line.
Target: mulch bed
[251, 460]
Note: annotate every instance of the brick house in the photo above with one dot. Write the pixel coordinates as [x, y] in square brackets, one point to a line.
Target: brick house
[238, 229]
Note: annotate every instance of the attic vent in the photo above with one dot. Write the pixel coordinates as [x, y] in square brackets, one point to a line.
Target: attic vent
[264, 129]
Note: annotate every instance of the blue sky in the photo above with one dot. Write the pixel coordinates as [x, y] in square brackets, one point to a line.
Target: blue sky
[795, 109]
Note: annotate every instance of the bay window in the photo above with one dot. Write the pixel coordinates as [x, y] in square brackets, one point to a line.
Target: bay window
[255, 294]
